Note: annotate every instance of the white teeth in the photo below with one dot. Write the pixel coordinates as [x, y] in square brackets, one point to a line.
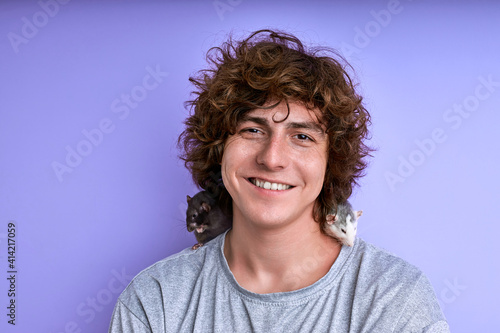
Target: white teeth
[269, 185]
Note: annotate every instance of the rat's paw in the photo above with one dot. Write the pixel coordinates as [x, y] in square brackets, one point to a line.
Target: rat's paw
[196, 246]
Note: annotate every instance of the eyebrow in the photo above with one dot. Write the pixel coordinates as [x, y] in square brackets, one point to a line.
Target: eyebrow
[310, 125]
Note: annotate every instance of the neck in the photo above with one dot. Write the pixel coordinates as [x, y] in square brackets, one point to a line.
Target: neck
[269, 260]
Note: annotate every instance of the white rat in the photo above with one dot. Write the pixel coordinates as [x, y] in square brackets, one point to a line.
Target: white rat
[343, 223]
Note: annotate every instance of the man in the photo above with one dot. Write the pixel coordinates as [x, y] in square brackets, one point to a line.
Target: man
[285, 129]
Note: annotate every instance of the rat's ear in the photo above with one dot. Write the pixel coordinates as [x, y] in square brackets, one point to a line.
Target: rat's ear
[331, 219]
[358, 213]
[188, 198]
[206, 207]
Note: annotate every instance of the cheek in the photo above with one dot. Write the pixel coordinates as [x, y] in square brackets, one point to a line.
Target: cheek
[236, 151]
[315, 164]
[231, 162]
[227, 153]
[226, 167]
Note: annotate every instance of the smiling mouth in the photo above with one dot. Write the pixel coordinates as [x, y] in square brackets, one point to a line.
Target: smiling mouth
[268, 185]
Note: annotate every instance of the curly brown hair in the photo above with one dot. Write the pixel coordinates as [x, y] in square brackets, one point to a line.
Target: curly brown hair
[275, 66]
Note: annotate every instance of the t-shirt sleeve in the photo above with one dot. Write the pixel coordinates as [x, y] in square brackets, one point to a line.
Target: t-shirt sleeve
[124, 321]
[422, 312]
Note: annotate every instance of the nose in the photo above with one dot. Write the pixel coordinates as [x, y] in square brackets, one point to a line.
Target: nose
[273, 153]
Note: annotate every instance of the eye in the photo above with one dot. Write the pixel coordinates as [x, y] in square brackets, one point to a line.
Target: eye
[251, 133]
[251, 130]
[303, 137]
[195, 215]
[343, 230]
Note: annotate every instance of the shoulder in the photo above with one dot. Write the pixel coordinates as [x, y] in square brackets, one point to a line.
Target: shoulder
[167, 286]
[399, 291]
[176, 270]
[379, 269]
[186, 261]
[374, 259]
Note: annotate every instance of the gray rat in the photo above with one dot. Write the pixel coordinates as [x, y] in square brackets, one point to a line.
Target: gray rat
[342, 223]
[205, 218]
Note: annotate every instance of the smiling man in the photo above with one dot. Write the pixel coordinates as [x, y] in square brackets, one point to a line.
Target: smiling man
[283, 128]
[274, 172]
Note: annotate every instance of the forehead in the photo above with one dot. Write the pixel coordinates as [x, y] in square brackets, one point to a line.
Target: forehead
[295, 113]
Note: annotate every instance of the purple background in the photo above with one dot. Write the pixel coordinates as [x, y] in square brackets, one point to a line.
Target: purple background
[82, 235]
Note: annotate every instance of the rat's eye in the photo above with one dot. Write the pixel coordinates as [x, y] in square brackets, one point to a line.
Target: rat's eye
[195, 215]
[343, 230]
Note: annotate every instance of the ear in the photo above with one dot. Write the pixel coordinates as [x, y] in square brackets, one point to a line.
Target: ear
[331, 219]
[358, 213]
[206, 207]
[188, 198]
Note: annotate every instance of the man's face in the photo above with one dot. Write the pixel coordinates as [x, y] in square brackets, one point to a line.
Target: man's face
[274, 171]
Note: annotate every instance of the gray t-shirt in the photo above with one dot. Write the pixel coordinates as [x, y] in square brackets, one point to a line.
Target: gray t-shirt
[366, 290]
